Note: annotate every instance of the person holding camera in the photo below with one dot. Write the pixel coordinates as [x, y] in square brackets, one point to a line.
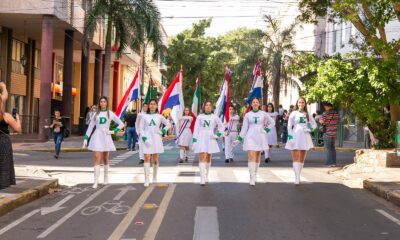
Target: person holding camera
[7, 173]
[58, 126]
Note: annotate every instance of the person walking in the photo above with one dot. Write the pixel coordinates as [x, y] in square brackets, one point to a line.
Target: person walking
[89, 116]
[329, 121]
[151, 136]
[58, 126]
[256, 125]
[101, 143]
[145, 107]
[271, 135]
[185, 135]
[130, 129]
[300, 125]
[231, 134]
[7, 172]
[205, 140]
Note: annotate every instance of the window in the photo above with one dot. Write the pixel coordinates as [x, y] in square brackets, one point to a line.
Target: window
[343, 34]
[36, 63]
[18, 50]
[334, 37]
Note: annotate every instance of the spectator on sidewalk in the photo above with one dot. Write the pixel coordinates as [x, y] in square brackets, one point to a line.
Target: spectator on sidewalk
[58, 126]
[330, 120]
[7, 173]
[130, 121]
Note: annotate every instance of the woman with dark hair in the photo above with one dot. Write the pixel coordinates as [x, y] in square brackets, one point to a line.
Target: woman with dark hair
[101, 143]
[7, 172]
[205, 140]
[231, 134]
[151, 132]
[256, 125]
[300, 125]
[271, 135]
[185, 135]
[137, 126]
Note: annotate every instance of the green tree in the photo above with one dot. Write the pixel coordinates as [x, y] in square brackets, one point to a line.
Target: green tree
[370, 18]
[128, 23]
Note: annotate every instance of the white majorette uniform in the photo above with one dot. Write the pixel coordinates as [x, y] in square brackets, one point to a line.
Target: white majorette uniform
[299, 129]
[204, 139]
[231, 135]
[137, 127]
[101, 140]
[185, 135]
[151, 132]
[272, 135]
[256, 124]
[254, 130]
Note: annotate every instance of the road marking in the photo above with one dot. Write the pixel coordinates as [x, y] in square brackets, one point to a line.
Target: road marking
[206, 225]
[158, 218]
[124, 224]
[21, 154]
[56, 207]
[388, 216]
[17, 222]
[243, 176]
[71, 213]
[213, 176]
[123, 191]
[287, 176]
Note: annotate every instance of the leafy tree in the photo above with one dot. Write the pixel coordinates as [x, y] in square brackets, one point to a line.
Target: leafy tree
[370, 18]
[128, 23]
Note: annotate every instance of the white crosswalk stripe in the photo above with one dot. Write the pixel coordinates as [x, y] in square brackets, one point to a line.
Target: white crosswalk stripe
[287, 175]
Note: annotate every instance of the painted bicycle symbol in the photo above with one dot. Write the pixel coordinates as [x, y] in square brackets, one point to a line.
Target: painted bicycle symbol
[114, 207]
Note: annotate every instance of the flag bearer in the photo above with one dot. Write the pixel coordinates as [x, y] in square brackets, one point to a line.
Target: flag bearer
[137, 126]
[185, 135]
[271, 135]
[231, 134]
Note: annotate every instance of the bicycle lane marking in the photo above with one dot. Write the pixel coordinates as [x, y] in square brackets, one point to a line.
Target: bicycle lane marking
[158, 218]
[124, 224]
[71, 213]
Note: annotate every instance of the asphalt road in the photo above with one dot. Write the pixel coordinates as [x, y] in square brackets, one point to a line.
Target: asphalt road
[179, 208]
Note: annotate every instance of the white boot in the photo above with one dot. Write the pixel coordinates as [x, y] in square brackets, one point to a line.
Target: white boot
[106, 167]
[208, 166]
[252, 171]
[182, 154]
[155, 172]
[96, 175]
[203, 169]
[146, 167]
[297, 170]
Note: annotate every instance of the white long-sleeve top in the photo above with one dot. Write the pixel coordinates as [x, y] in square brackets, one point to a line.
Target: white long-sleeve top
[204, 135]
[232, 125]
[299, 128]
[151, 132]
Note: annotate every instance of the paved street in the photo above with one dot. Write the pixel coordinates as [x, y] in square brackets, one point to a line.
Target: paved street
[228, 208]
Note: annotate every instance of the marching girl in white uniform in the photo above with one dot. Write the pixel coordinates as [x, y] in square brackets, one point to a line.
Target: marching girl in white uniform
[151, 137]
[271, 135]
[137, 127]
[256, 124]
[205, 141]
[185, 135]
[101, 143]
[300, 125]
[231, 134]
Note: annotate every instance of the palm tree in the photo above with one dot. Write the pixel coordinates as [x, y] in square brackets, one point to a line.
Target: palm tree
[128, 23]
[279, 51]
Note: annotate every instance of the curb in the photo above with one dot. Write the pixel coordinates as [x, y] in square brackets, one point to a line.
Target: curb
[389, 191]
[321, 149]
[9, 204]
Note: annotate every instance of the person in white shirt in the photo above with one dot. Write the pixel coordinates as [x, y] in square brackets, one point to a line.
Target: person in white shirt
[137, 126]
[205, 140]
[256, 125]
[271, 135]
[151, 137]
[185, 135]
[101, 142]
[300, 126]
[231, 134]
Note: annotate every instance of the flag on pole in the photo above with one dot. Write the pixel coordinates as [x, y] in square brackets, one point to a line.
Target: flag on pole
[256, 88]
[172, 100]
[149, 94]
[131, 94]
[223, 102]
[196, 101]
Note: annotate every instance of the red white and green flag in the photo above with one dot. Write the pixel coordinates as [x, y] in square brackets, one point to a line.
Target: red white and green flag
[196, 101]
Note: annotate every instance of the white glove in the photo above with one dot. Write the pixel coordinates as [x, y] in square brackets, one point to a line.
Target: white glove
[85, 143]
[214, 136]
[235, 143]
[307, 130]
[109, 132]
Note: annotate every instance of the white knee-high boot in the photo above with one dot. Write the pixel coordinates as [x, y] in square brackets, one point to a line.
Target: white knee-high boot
[297, 166]
[146, 167]
[106, 167]
[155, 172]
[252, 171]
[266, 153]
[208, 166]
[96, 175]
[203, 170]
[182, 154]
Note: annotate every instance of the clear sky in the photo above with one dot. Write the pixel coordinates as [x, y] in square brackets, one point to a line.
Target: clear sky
[178, 15]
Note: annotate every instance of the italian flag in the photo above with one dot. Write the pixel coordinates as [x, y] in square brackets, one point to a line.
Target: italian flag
[196, 101]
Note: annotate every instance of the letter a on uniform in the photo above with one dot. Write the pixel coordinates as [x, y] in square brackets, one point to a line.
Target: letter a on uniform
[152, 123]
